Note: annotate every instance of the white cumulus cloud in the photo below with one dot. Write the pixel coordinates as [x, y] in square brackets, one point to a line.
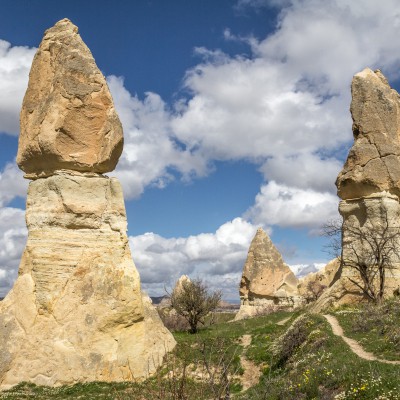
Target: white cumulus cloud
[151, 154]
[12, 241]
[283, 108]
[15, 63]
[12, 184]
[286, 206]
[216, 257]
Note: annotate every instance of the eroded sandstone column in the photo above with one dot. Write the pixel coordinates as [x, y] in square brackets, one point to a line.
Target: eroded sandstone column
[76, 312]
[369, 184]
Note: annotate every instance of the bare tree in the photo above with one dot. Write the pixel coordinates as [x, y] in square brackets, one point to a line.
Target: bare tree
[333, 230]
[314, 291]
[372, 251]
[193, 301]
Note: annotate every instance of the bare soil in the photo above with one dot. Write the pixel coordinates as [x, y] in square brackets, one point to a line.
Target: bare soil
[252, 373]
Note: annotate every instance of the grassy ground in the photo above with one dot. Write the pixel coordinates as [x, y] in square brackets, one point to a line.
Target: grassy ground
[376, 327]
[309, 362]
[301, 359]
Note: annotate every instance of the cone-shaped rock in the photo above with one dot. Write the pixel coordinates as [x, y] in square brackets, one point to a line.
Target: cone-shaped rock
[76, 312]
[264, 273]
[179, 283]
[266, 279]
[68, 120]
[373, 163]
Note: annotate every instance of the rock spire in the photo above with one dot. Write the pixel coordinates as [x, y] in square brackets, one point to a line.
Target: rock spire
[76, 312]
[369, 183]
[373, 163]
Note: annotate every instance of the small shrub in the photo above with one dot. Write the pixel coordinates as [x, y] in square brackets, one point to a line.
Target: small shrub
[193, 302]
[314, 291]
[291, 340]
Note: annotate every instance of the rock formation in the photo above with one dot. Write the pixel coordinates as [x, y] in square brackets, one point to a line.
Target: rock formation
[179, 283]
[76, 312]
[318, 281]
[369, 184]
[266, 279]
[373, 163]
[68, 120]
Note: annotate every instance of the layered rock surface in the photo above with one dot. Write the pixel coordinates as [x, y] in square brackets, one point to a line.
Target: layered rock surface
[369, 184]
[76, 312]
[68, 120]
[266, 279]
[373, 163]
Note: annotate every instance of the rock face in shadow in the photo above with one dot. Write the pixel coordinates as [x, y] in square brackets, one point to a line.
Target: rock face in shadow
[68, 120]
[76, 312]
[266, 279]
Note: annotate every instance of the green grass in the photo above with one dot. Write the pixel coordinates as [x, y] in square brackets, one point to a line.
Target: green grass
[322, 367]
[300, 360]
[376, 327]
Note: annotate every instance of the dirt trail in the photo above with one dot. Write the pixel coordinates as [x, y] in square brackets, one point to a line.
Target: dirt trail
[252, 373]
[283, 322]
[355, 347]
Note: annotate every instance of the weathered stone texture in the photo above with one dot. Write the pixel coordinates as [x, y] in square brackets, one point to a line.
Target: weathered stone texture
[76, 313]
[68, 120]
[325, 277]
[266, 279]
[265, 275]
[370, 214]
[373, 163]
[369, 184]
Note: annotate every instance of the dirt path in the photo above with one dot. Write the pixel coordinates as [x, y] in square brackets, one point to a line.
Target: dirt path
[355, 347]
[252, 373]
[245, 341]
[283, 322]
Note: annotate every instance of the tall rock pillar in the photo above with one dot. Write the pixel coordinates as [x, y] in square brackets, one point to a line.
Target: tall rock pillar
[369, 184]
[76, 312]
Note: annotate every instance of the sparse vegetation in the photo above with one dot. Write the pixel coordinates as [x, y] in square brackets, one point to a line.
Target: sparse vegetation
[370, 251]
[313, 291]
[300, 359]
[375, 326]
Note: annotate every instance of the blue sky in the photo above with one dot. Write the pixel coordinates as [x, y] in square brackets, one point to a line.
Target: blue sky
[235, 116]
